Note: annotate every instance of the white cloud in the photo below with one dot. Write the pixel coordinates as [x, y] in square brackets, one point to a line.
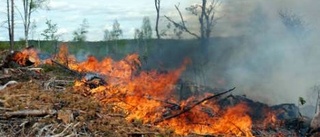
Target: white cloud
[68, 14]
[62, 31]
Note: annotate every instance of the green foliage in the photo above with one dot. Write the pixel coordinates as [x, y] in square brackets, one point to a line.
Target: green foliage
[36, 4]
[50, 32]
[4, 45]
[116, 31]
[79, 35]
[302, 101]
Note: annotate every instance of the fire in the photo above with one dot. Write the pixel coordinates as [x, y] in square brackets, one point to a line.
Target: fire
[25, 56]
[149, 96]
[234, 121]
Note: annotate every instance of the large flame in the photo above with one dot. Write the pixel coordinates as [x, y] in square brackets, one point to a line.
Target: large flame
[148, 96]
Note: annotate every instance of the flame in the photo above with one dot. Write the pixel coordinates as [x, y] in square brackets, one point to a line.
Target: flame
[270, 119]
[234, 121]
[28, 54]
[148, 96]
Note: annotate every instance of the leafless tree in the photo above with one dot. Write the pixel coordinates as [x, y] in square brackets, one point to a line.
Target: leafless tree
[206, 13]
[10, 17]
[30, 6]
[157, 5]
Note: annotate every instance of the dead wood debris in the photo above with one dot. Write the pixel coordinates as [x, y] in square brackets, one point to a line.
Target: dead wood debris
[26, 113]
[34, 108]
[188, 108]
[29, 110]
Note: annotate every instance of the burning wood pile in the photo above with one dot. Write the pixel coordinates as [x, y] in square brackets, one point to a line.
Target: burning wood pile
[165, 101]
[26, 57]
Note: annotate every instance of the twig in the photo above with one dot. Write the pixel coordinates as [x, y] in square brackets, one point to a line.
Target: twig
[186, 109]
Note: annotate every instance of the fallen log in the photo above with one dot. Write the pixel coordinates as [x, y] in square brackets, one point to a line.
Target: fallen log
[76, 73]
[186, 109]
[26, 113]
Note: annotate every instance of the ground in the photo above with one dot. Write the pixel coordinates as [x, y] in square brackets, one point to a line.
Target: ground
[35, 107]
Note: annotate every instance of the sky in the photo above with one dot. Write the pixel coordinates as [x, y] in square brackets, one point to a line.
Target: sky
[100, 14]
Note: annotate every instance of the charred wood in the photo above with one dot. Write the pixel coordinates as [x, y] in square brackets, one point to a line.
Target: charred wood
[188, 108]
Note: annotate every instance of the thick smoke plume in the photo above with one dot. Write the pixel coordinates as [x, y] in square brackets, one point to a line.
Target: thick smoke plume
[275, 58]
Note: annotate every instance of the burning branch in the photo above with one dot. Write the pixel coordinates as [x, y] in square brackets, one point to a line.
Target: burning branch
[186, 109]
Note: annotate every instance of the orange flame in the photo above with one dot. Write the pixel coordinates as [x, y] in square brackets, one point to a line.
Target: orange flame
[149, 96]
[29, 54]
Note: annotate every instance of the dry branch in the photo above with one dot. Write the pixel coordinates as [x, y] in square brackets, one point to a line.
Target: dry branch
[186, 109]
[182, 25]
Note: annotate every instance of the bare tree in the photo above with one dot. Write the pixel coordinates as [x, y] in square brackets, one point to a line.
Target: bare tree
[10, 17]
[157, 5]
[30, 6]
[206, 13]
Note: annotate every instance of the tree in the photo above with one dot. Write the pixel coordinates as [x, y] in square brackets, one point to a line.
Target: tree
[146, 28]
[116, 31]
[138, 34]
[157, 6]
[114, 36]
[10, 18]
[50, 33]
[106, 35]
[205, 12]
[30, 6]
[79, 35]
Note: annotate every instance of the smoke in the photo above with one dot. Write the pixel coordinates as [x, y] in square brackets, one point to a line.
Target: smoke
[272, 62]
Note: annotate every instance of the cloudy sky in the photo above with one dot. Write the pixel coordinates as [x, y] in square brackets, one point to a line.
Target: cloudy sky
[100, 14]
